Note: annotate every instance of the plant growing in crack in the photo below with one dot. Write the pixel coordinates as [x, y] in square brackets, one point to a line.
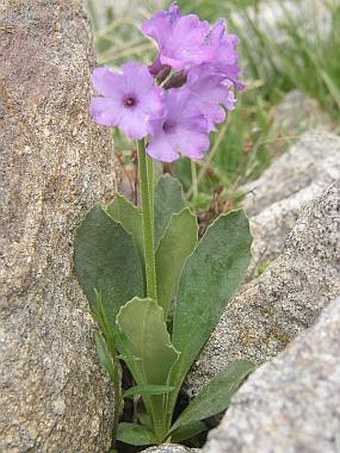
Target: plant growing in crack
[155, 291]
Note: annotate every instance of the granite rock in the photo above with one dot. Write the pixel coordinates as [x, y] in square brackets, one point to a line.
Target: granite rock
[287, 298]
[313, 16]
[297, 113]
[275, 200]
[312, 160]
[171, 448]
[291, 404]
[55, 162]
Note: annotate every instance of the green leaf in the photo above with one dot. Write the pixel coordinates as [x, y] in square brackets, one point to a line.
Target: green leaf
[168, 200]
[130, 216]
[210, 277]
[99, 315]
[107, 260]
[188, 431]
[142, 325]
[144, 334]
[177, 243]
[103, 353]
[148, 390]
[216, 396]
[133, 434]
[143, 416]
[331, 85]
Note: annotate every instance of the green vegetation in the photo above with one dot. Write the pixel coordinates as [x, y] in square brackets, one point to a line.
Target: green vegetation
[294, 54]
[159, 338]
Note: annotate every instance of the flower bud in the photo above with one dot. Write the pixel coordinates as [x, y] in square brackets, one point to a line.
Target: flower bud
[159, 71]
[163, 73]
[176, 81]
[155, 66]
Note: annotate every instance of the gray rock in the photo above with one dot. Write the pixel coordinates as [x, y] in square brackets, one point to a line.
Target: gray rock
[275, 200]
[171, 448]
[313, 17]
[297, 113]
[311, 163]
[272, 309]
[291, 404]
[55, 162]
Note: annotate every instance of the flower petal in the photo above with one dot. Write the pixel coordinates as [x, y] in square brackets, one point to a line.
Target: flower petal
[151, 103]
[107, 83]
[134, 124]
[161, 149]
[181, 39]
[191, 143]
[105, 111]
[230, 101]
[137, 77]
[214, 114]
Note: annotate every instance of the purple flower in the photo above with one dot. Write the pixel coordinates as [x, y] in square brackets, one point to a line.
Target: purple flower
[181, 129]
[185, 41]
[155, 67]
[191, 99]
[128, 100]
[225, 56]
[211, 90]
[181, 39]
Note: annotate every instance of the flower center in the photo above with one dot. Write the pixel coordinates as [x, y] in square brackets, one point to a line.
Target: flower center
[129, 101]
[169, 126]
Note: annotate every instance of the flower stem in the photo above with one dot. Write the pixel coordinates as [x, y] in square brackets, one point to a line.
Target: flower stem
[194, 182]
[146, 189]
[151, 192]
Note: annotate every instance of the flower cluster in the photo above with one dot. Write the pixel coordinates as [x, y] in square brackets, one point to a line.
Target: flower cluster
[178, 99]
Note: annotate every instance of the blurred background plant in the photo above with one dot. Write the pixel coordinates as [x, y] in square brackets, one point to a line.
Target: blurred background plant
[285, 45]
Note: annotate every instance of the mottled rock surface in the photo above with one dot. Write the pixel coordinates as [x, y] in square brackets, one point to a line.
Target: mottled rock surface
[275, 200]
[297, 113]
[272, 309]
[170, 448]
[291, 404]
[54, 164]
[312, 160]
